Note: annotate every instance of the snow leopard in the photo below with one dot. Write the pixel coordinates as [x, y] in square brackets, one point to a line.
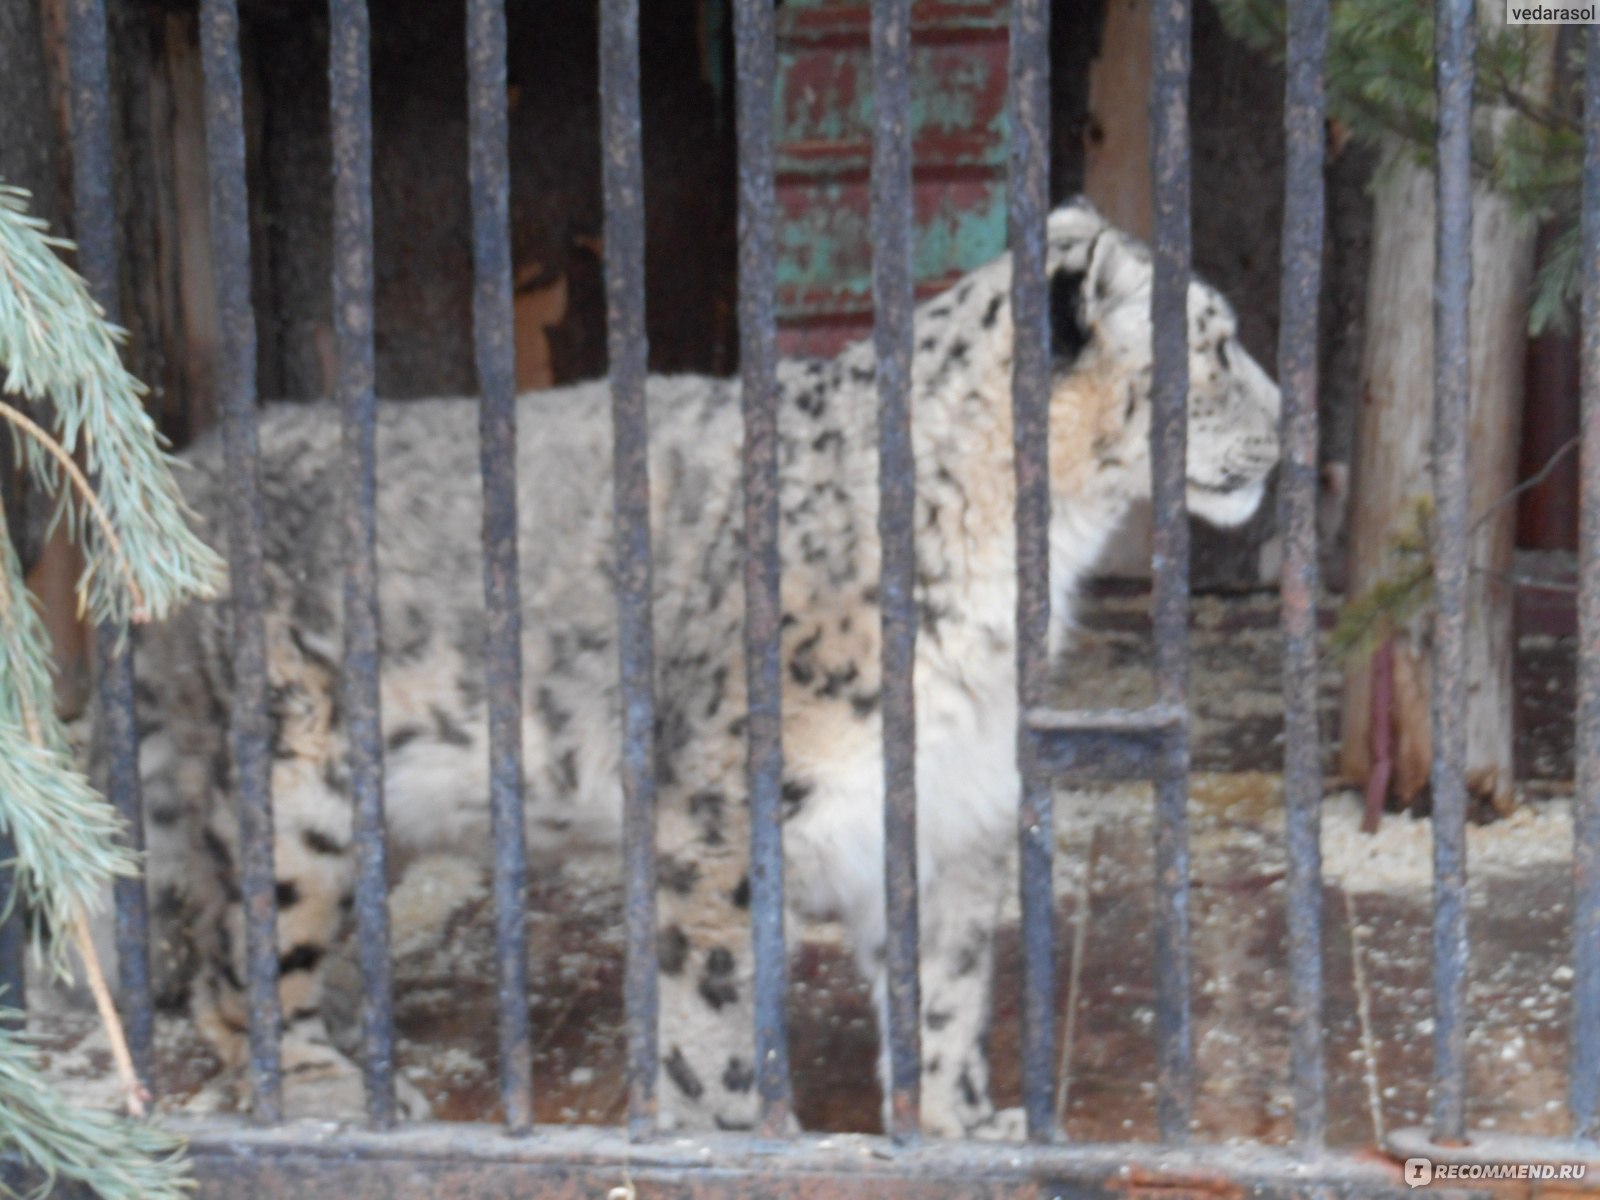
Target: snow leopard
[434, 717]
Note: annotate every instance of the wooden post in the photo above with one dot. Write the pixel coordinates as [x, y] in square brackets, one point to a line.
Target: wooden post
[30, 130]
[183, 304]
[1116, 179]
[1116, 156]
[1391, 473]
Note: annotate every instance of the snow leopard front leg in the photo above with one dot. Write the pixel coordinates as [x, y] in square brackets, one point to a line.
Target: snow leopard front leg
[312, 882]
[313, 872]
[706, 1078]
[959, 909]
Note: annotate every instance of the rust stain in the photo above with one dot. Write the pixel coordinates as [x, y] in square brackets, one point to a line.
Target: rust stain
[1140, 1184]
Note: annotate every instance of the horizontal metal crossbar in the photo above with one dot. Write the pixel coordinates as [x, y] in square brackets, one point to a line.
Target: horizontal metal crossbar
[1108, 745]
[1503, 1150]
[234, 1158]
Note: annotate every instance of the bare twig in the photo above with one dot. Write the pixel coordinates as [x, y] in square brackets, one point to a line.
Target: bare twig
[1369, 1046]
[135, 1093]
[1080, 938]
[1530, 482]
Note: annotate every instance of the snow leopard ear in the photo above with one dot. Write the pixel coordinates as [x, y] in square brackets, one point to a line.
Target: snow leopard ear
[1119, 271]
[1069, 331]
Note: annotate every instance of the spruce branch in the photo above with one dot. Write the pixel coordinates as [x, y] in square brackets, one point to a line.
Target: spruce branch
[85, 493]
[57, 346]
[68, 839]
[142, 560]
[116, 1158]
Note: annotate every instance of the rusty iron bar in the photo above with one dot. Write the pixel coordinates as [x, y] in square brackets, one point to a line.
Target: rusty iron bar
[94, 219]
[893, 313]
[14, 945]
[497, 433]
[1303, 230]
[1029, 210]
[629, 352]
[756, 54]
[1169, 111]
[250, 725]
[455, 1159]
[350, 103]
[1455, 35]
[1584, 1080]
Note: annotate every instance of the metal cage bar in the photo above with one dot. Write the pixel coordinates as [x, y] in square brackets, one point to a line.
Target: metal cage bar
[250, 724]
[94, 219]
[1455, 37]
[350, 103]
[14, 944]
[1584, 1086]
[894, 307]
[497, 432]
[1029, 186]
[1303, 221]
[756, 66]
[623, 179]
[1169, 148]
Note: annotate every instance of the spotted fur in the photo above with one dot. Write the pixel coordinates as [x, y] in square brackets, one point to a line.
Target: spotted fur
[434, 716]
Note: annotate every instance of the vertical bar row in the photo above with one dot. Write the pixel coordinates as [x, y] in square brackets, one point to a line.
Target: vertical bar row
[763, 606]
[1169, 111]
[497, 434]
[94, 215]
[623, 179]
[250, 725]
[1584, 1086]
[1303, 221]
[893, 305]
[350, 100]
[1454, 38]
[1029, 185]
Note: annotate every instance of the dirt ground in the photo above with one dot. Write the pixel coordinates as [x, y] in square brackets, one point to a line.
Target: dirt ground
[1377, 929]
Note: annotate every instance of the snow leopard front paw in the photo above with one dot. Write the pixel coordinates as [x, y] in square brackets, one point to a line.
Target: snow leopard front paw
[1002, 1125]
[318, 1081]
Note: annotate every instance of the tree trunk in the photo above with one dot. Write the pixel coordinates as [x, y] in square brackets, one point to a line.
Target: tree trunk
[1393, 472]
